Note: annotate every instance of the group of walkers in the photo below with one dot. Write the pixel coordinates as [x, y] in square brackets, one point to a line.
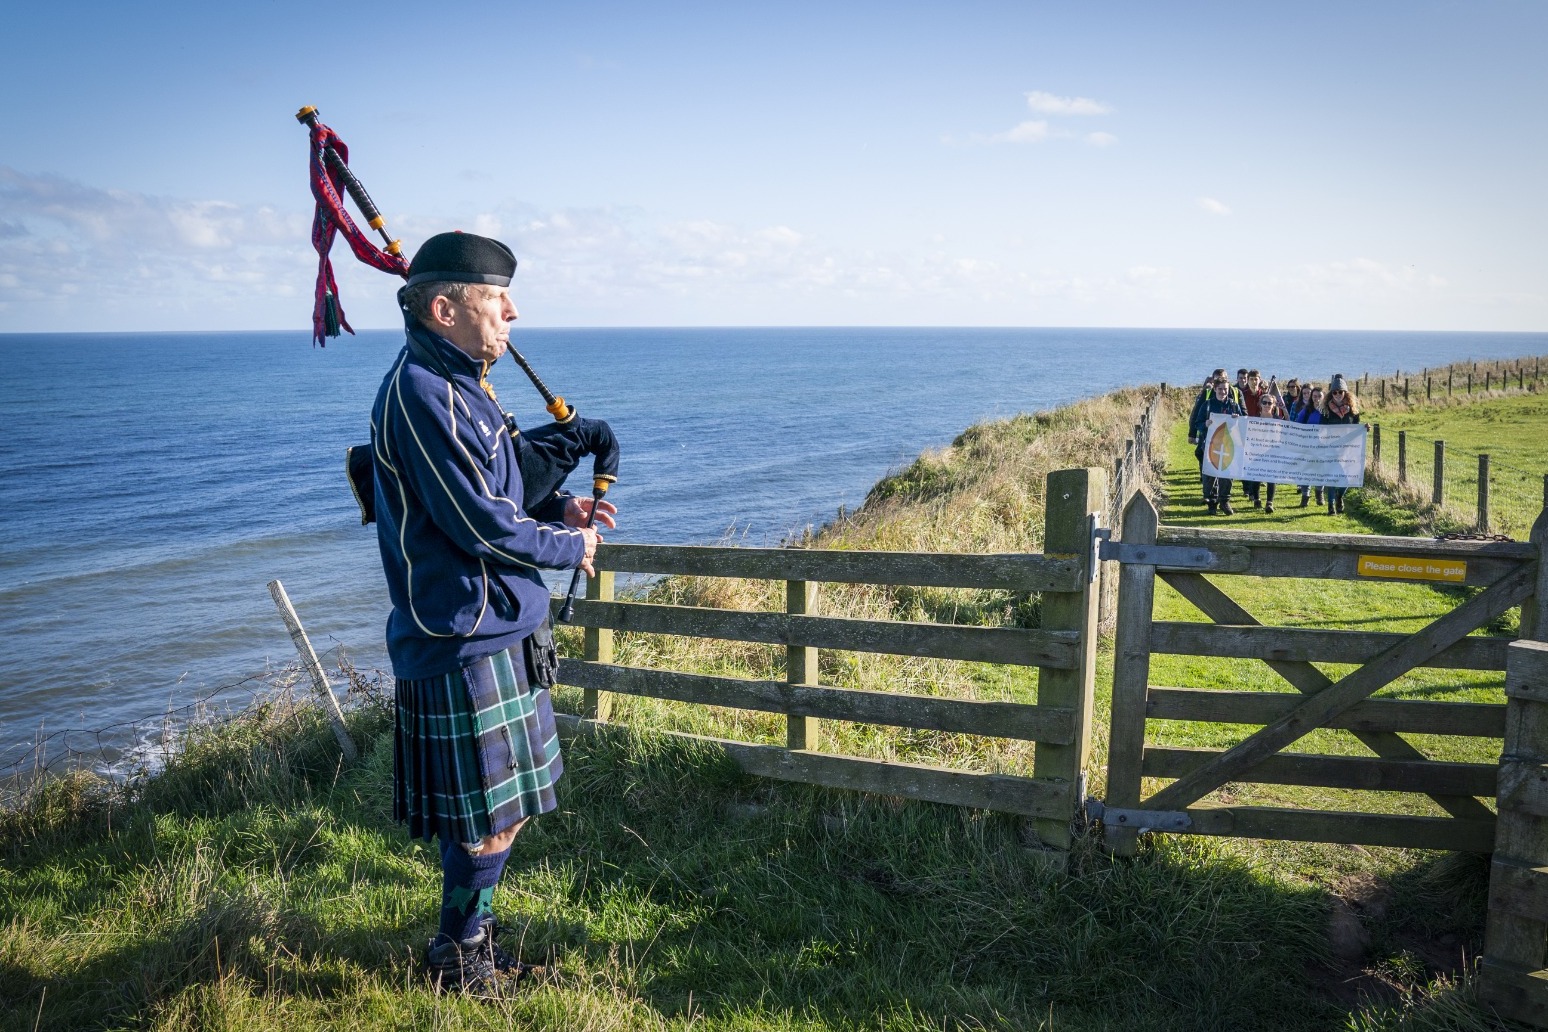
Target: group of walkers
[1300, 401]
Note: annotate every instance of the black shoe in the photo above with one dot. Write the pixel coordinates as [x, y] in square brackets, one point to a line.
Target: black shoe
[1319, 496]
[1212, 509]
[1304, 499]
[1332, 511]
[1269, 507]
[466, 967]
[1340, 504]
[1226, 510]
[1257, 503]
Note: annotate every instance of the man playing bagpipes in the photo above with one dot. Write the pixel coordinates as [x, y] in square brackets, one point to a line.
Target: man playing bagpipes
[476, 754]
[467, 509]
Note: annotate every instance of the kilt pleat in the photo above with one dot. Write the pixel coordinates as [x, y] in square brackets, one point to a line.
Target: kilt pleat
[475, 750]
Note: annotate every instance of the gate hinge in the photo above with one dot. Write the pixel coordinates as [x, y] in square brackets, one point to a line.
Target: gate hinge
[1139, 820]
[1100, 537]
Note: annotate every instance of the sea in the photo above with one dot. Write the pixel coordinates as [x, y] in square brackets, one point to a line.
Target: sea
[152, 484]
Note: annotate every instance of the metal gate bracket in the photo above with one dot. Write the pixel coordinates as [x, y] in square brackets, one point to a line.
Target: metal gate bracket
[1173, 557]
[1139, 820]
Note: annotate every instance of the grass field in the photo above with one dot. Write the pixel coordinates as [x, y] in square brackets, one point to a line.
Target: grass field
[256, 884]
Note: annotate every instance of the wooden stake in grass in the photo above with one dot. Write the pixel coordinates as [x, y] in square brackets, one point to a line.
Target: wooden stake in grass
[313, 667]
[1483, 494]
[1438, 495]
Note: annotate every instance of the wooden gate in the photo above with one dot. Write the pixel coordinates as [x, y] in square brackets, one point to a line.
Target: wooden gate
[1508, 574]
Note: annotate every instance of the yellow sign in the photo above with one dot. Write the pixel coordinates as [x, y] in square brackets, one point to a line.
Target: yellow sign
[1410, 568]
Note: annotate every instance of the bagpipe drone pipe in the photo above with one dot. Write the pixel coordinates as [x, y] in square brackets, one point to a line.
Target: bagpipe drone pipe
[545, 455]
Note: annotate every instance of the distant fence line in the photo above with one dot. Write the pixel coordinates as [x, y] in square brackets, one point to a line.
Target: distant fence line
[1483, 494]
[1458, 379]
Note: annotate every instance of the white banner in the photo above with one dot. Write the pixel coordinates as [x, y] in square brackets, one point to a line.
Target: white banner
[1277, 451]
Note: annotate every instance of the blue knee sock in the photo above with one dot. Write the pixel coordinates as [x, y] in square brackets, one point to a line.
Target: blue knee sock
[467, 887]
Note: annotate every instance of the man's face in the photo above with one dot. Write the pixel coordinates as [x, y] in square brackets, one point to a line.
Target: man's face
[1222, 389]
[481, 328]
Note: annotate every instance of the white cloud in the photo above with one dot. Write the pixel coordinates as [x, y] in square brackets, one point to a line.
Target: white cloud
[1364, 281]
[1213, 206]
[1026, 132]
[131, 248]
[1050, 104]
[1039, 130]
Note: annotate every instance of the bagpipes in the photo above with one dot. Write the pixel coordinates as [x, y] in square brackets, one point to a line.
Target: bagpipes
[546, 455]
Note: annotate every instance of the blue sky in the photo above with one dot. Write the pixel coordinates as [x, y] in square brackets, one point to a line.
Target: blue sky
[1375, 165]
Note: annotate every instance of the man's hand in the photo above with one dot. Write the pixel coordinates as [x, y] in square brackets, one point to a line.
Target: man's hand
[593, 539]
[577, 510]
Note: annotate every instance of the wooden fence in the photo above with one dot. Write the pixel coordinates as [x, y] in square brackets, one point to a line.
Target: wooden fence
[1063, 648]
[1186, 559]
[1468, 484]
[1134, 470]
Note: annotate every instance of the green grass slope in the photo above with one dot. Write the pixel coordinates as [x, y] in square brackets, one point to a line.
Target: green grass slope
[257, 884]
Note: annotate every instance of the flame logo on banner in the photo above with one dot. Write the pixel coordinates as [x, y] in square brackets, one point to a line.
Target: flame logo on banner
[1221, 449]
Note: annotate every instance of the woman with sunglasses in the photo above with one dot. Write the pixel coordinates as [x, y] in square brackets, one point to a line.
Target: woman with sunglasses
[1340, 407]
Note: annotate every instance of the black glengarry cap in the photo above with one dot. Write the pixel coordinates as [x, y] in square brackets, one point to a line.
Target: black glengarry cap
[462, 258]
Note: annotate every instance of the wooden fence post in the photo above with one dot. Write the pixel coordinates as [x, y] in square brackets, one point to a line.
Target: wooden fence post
[1072, 495]
[314, 667]
[1131, 674]
[598, 643]
[1488, 379]
[1438, 495]
[1405, 390]
[1449, 373]
[1483, 493]
[801, 666]
[1511, 977]
[1402, 456]
[1383, 392]
[1376, 445]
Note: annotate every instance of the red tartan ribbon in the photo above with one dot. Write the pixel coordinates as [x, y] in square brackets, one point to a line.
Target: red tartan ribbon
[331, 219]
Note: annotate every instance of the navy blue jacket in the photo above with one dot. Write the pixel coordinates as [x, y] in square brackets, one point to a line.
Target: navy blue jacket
[460, 555]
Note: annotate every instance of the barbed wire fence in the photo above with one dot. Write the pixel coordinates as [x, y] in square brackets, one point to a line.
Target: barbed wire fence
[1475, 490]
[1133, 470]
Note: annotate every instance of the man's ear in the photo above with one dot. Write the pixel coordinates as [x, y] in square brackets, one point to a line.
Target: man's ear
[443, 313]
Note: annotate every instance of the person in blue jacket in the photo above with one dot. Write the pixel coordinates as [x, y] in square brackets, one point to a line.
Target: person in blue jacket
[1310, 413]
[1221, 399]
[475, 751]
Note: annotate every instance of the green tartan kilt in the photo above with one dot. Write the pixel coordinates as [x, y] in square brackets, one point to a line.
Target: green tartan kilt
[475, 750]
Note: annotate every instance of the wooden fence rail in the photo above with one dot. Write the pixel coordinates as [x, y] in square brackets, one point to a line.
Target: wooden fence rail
[1063, 648]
